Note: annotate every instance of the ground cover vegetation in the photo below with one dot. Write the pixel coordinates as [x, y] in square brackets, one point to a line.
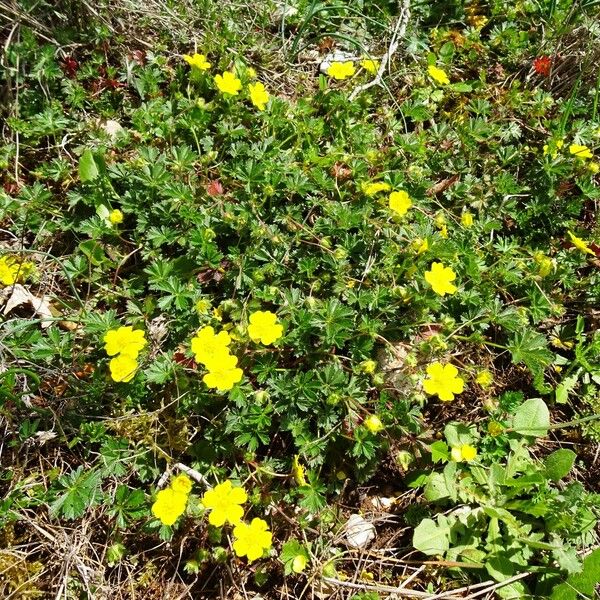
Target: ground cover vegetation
[249, 298]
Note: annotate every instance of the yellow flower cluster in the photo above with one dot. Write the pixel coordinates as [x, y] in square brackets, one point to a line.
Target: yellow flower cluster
[171, 502]
[342, 70]
[225, 504]
[229, 84]
[211, 350]
[124, 344]
[12, 270]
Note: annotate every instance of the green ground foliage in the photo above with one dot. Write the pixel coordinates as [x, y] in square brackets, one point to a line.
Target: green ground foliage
[244, 299]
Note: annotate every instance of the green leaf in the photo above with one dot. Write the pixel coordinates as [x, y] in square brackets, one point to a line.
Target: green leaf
[531, 348]
[532, 418]
[294, 556]
[436, 488]
[430, 538]
[440, 452]
[81, 491]
[88, 170]
[580, 585]
[93, 251]
[559, 463]
[564, 387]
[567, 559]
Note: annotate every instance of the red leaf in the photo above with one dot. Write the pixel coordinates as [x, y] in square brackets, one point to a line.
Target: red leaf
[542, 65]
[214, 188]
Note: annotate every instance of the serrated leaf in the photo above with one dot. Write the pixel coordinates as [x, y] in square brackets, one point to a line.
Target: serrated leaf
[580, 585]
[567, 559]
[559, 463]
[81, 491]
[439, 451]
[532, 418]
[531, 348]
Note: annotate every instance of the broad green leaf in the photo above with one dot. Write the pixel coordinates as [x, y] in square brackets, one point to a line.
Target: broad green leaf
[559, 463]
[436, 488]
[88, 169]
[440, 452]
[532, 418]
[580, 585]
[431, 538]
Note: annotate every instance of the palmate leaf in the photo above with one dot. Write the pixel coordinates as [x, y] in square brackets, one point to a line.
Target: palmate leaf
[80, 490]
[531, 349]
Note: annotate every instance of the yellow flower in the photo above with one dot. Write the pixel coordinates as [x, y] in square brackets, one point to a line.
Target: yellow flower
[438, 75]
[222, 372]
[439, 278]
[368, 366]
[197, 61]
[558, 343]
[370, 65]
[373, 423]
[124, 341]
[207, 346]
[298, 471]
[370, 189]
[443, 381]
[264, 328]
[228, 83]
[484, 378]
[545, 264]
[224, 502]
[580, 151]
[258, 95]
[341, 70]
[123, 368]
[400, 202]
[465, 453]
[299, 563]
[553, 147]
[420, 246]
[181, 483]
[13, 271]
[467, 219]
[580, 244]
[202, 306]
[169, 506]
[252, 540]
[594, 167]
[115, 216]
